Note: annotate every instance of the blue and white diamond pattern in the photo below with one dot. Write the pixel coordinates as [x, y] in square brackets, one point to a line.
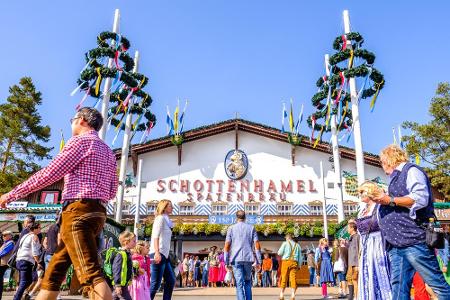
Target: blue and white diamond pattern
[269, 209]
[202, 209]
[176, 209]
[142, 209]
[331, 209]
[301, 210]
[110, 208]
[233, 208]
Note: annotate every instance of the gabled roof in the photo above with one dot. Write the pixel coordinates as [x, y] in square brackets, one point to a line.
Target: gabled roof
[250, 127]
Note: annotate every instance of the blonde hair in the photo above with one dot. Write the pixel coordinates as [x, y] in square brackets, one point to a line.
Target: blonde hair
[162, 205]
[323, 241]
[369, 189]
[125, 237]
[336, 243]
[393, 155]
[140, 245]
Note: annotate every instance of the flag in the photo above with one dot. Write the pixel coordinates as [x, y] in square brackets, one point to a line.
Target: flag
[283, 117]
[169, 123]
[175, 120]
[291, 118]
[393, 135]
[299, 121]
[62, 143]
[400, 136]
[417, 159]
[182, 117]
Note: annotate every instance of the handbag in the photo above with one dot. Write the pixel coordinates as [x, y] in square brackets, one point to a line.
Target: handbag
[228, 277]
[12, 260]
[338, 266]
[298, 273]
[434, 236]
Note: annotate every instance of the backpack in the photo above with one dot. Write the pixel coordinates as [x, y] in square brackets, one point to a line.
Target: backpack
[108, 256]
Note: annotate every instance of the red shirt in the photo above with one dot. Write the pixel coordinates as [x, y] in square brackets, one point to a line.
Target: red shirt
[88, 166]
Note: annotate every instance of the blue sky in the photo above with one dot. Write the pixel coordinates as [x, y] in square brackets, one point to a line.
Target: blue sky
[229, 56]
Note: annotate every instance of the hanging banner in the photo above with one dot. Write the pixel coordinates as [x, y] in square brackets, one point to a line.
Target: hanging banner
[231, 219]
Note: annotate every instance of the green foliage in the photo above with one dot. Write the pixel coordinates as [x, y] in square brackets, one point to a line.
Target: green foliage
[431, 141]
[278, 228]
[21, 135]
[332, 97]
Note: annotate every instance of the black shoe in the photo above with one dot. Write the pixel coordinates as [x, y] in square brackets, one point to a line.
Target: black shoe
[26, 297]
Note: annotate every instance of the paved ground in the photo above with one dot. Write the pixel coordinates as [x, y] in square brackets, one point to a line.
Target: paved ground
[228, 294]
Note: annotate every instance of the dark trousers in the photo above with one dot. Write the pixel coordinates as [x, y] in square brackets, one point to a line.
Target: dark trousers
[124, 296]
[25, 269]
[2, 274]
[163, 269]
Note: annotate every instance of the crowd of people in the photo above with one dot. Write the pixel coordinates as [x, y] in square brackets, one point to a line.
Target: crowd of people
[391, 245]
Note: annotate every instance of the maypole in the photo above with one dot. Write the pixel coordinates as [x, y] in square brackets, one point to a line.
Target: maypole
[335, 105]
[107, 86]
[124, 153]
[355, 111]
[336, 156]
[122, 90]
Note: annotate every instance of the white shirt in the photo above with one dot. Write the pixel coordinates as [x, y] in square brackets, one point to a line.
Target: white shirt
[416, 184]
[29, 247]
[163, 232]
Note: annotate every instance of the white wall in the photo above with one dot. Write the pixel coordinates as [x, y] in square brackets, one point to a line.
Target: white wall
[268, 160]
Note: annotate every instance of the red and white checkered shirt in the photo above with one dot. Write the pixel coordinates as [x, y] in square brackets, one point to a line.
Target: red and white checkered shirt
[88, 166]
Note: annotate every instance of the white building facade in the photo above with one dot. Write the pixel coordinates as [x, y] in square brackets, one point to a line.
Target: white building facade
[280, 179]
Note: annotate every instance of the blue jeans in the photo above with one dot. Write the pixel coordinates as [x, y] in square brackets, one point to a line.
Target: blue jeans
[312, 275]
[205, 277]
[243, 276]
[266, 280]
[158, 271]
[25, 269]
[405, 261]
[47, 259]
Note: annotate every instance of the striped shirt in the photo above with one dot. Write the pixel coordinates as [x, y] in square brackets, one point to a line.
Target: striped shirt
[88, 166]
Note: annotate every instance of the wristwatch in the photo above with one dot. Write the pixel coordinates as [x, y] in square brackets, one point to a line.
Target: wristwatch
[392, 202]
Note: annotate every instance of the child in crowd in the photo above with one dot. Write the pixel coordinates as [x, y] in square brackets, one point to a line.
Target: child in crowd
[140, 287]
[123, 266]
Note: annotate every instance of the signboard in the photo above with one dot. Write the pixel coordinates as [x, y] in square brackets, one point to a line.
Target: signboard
[111, 234]
[17, 204]
[442, 214]
[231, 219]
[49, 217]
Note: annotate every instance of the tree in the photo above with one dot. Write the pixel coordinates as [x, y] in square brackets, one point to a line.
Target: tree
[21, 135]
[430, 142]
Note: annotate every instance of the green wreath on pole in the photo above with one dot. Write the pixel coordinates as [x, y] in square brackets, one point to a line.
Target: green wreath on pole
[126, 92]
[332, 97]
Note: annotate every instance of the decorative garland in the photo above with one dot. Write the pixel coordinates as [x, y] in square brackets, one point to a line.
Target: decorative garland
[332, 98]
[296, 229]
[126, 92]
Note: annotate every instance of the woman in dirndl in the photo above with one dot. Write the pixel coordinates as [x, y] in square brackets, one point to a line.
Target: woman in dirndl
[213, 266]
[326, 269]
[374, 275]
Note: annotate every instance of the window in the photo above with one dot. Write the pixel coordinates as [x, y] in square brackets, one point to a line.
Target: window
[219, 209]
[151, 208]
[284, 209]
[316, 209]
[330, 185]
[126, 207]
[350, 209]
[50, 197]
[252, 209]
[187, 210]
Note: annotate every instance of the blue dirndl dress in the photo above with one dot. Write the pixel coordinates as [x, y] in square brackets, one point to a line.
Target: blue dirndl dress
[326, 269]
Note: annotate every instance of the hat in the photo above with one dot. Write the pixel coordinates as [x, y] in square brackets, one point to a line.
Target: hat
[7, 232]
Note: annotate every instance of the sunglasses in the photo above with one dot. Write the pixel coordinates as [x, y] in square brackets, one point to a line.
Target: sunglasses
[73, 119]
